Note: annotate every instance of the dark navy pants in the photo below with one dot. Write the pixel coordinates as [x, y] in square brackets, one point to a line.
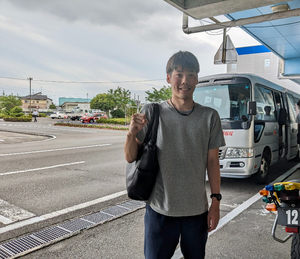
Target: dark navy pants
[162, 235]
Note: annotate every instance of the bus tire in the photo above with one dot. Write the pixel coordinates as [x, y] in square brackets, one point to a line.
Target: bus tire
[261, 176]
[295, 246]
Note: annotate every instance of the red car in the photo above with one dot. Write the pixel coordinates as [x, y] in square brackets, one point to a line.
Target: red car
[93, 117]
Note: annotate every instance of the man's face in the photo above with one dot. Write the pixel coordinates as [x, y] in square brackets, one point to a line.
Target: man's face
[183, 83]
[241, 96]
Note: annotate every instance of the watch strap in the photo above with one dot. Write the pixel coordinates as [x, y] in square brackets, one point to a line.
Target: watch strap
[216, 195]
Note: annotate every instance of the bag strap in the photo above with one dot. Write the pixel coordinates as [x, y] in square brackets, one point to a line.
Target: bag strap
[153, 125]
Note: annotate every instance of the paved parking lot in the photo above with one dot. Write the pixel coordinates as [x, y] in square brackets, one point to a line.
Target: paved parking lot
[74, 169]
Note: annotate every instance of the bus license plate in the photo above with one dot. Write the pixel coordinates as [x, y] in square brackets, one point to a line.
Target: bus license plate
[289, 216]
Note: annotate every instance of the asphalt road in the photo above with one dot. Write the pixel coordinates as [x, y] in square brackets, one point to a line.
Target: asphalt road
[69, 166]
[56, 172]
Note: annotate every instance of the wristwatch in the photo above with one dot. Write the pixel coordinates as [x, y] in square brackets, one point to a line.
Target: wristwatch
[217, 195]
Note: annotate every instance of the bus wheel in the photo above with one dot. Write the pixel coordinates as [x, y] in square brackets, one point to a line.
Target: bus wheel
[261, 176]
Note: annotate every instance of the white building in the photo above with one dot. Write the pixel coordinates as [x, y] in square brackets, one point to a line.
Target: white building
[261, 61]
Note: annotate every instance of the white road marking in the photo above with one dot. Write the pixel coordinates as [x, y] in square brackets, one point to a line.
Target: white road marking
[52, 137]
[10, 213]
[60, 212]
[5, 220]
[53, 150]
[41, 168]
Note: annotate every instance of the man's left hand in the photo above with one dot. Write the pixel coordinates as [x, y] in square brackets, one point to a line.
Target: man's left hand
[213, 215]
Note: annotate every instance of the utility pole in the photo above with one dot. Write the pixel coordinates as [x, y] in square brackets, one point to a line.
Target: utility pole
[30, 78]
[138, 103]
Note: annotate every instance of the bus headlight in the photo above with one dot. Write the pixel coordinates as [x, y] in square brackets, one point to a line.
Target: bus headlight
[239, 152]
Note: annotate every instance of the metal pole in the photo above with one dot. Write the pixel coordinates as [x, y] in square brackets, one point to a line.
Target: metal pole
[125, 115]
[224, 46]
[30, 78]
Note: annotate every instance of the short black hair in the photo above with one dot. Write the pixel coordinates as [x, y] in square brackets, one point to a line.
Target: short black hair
[298, 103]
[185, 59]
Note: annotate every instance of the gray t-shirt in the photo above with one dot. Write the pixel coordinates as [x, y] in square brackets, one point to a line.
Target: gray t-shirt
[183, 143]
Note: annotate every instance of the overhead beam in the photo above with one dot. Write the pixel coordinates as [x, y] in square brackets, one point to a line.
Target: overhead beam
[291, 67]
[199, 9]
[240, 22]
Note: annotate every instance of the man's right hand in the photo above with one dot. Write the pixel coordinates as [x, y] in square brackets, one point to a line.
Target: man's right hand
[138, 122]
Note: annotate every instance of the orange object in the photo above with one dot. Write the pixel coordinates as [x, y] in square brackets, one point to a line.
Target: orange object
[271, 207]
[264, 192]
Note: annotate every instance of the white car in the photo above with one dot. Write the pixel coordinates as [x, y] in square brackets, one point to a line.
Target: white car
[59, 115]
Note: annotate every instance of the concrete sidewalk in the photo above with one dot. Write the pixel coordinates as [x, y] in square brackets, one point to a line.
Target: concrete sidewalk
[247, 235]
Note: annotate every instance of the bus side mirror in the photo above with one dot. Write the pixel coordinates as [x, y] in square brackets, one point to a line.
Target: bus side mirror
[251, 108]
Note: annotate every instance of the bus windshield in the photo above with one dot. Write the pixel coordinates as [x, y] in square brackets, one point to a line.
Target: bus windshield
[230, 100]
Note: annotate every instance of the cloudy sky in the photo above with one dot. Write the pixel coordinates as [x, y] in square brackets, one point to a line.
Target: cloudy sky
[76, 48]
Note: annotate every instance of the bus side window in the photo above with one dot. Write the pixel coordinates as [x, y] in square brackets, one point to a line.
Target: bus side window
[265, 103]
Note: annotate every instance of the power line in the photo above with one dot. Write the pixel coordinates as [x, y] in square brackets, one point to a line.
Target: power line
[88, 82]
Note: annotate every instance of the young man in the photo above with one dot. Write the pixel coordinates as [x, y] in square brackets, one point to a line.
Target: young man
[188, 141]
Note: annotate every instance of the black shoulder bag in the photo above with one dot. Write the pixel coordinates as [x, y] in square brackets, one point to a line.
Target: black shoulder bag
[141, 174]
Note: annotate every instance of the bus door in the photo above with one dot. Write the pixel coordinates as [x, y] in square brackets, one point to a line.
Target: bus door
[266, 127]
[292, 127]
[281, 118]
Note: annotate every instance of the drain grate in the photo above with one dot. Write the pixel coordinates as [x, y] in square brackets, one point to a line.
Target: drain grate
[22, 244]
[132, 204]
[3, 254]
[98, 217]
[39, 239]
[115, 210]
[51, 234]
[76, 225]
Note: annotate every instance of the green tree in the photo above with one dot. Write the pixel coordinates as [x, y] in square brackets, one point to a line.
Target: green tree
[121, 97]
[17, 111]
[52, 106]
[160, 95]
[104, 102]
[9, 101]
[118, 113]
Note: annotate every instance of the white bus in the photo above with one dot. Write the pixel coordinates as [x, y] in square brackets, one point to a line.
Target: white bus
[258, 119]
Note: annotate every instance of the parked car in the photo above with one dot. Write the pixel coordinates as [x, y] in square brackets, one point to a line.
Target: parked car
[59, 115]
[91, 117]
